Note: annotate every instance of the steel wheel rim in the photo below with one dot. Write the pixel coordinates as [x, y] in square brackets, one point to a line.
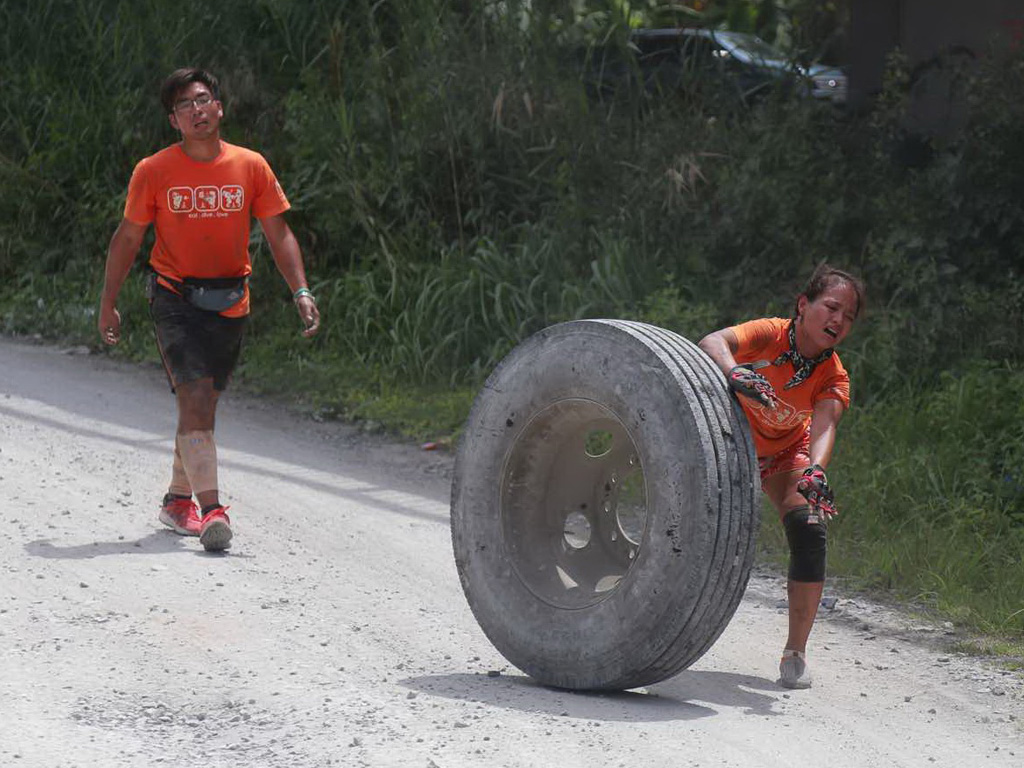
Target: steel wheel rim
[573, 504]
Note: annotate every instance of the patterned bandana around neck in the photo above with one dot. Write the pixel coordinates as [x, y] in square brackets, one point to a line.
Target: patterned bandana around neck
[801, 364]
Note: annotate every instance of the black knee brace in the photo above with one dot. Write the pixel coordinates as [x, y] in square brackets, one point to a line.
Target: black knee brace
[805, 531]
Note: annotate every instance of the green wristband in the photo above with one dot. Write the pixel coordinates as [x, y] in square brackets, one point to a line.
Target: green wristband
[303, 292]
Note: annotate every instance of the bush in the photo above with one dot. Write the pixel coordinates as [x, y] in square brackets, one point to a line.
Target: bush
[935, 494]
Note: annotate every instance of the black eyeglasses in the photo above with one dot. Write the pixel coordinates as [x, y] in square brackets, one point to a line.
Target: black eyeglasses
[201, 100]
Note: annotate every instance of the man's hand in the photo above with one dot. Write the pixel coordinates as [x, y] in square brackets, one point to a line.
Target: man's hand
[309, 314]
[120, 255]
[749, 383]
[813, 486]
[109, 325]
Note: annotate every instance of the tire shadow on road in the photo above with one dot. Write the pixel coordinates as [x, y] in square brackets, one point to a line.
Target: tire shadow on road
[522, 693]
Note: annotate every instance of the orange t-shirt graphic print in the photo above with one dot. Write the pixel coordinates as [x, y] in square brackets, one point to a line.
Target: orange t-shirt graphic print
[775, 429]
[202, 212]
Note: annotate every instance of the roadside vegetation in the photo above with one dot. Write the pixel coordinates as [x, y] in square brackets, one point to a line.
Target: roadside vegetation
[456, 187]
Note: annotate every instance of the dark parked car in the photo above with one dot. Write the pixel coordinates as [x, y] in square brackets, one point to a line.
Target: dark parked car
[673, 59]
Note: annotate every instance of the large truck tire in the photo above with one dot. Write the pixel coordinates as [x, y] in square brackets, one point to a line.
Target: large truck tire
[605, 505]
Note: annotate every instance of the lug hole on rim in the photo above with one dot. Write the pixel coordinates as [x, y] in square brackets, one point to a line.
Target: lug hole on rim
[576, 530]
[598, 443]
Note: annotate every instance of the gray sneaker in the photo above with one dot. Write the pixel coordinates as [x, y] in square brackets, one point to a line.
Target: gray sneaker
[793, 671]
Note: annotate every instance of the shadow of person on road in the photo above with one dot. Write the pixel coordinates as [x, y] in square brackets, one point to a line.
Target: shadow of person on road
[727, 689]
[155, 543]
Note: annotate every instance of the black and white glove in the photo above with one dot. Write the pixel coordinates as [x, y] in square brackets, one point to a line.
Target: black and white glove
[747, 382]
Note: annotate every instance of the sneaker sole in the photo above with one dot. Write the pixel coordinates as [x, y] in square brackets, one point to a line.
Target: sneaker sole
[216, 536]
[166, 520]
[795, 685]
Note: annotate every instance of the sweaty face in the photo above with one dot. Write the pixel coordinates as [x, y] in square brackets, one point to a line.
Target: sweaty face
[196, 113]
[824, 322]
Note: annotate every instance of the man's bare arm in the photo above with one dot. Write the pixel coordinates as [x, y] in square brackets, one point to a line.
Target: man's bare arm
[124, 245]
[288, 258]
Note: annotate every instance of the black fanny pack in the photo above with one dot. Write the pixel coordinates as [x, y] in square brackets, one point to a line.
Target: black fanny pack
[214, 294]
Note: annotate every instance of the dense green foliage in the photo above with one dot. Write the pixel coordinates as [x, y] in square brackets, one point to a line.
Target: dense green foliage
[456, 187]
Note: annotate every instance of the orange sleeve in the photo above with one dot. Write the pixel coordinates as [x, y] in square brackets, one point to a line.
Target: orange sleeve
[755, 335]
[270, 199]
[140, 205]
[836, 387]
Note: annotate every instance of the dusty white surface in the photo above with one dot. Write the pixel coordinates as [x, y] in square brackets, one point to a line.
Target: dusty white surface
[335, 631]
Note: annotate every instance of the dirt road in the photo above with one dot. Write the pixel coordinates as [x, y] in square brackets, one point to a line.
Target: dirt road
[335, 633]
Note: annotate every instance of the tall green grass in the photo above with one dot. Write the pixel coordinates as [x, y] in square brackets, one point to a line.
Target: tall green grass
[933, 483]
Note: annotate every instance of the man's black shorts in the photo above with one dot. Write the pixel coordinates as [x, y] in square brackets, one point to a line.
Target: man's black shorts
[194, 343]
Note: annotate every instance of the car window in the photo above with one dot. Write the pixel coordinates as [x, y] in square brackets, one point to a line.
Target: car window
[750, 47]
[656, 50]
[700, 51]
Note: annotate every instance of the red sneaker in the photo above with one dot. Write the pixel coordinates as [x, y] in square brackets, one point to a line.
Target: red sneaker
[180, 515]
[215, 534]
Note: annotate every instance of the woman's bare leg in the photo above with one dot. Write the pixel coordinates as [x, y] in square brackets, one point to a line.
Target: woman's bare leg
[804, 597]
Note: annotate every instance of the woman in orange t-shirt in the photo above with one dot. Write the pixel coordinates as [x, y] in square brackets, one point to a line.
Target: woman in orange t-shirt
[794, 392]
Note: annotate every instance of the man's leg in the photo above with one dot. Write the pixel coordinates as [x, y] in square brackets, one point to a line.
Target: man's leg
[180, 485]
[199, 350]
[197, 409]
[177, 510]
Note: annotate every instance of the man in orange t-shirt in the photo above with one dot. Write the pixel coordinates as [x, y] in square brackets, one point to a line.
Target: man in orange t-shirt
[794, 390]
[200, 195]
